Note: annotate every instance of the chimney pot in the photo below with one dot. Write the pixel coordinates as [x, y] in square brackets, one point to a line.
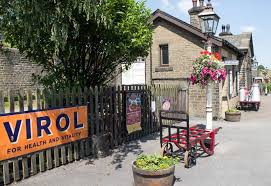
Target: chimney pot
[195, 3]
[228, 28]
[209, 4]
[201, 3]
[223, 28]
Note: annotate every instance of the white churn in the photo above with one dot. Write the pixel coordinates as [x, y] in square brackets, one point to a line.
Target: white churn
[255, 93]
[242, 94]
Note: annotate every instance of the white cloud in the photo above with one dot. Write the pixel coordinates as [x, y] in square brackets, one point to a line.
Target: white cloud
[184, 5]
[166, 3]
[248, 28]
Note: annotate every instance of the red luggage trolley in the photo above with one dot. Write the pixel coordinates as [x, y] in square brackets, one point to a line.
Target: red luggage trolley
[184, 137]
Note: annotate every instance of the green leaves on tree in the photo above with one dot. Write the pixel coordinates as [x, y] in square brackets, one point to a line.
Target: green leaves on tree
[78, 42]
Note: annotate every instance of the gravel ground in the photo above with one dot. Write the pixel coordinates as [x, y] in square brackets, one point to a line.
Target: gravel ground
[242, 158]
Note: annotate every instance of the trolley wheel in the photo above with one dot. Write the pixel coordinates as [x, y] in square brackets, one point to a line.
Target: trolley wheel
[190, 159]
[187, 159]
[256, 107]
[167, 149]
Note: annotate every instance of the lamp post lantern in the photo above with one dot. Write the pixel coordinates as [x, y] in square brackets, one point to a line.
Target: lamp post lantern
[209, 21]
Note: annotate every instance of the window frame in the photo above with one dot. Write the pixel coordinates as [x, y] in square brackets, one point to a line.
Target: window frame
[161, 54]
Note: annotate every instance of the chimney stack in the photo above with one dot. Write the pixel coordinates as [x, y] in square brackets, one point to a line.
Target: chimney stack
[195, 11]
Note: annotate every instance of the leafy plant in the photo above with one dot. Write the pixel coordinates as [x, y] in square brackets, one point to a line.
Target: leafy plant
[233, 110]
[155, 162]
[268, 87]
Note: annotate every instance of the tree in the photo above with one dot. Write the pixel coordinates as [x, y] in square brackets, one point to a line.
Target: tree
[78, 42]
[261, 67]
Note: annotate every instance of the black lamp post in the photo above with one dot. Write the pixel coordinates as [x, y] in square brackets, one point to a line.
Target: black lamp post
[209, 21]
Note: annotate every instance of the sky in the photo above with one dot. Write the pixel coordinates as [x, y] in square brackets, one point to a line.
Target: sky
[243, 16]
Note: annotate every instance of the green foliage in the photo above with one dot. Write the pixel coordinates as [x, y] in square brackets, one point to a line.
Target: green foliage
[78, 42]
[261, 67]
[233, 110]
[268, 87]
[155, 162]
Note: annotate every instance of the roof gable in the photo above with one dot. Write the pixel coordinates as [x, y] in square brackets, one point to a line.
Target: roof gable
[158, 14]
[183, 25]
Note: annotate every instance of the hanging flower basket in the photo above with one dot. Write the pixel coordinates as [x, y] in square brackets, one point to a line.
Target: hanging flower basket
[208, 67]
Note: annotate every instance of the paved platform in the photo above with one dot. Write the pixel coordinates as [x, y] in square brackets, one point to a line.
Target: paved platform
[242, 158]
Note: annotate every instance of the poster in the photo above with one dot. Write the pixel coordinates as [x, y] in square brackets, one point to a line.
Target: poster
[166, 104]
[133, 112]
[24, 133]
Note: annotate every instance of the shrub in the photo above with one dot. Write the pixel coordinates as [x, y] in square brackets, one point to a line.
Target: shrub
[155, 162]
[233, 110]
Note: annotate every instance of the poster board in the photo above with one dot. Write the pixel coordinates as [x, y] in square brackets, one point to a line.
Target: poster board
[166, 103]
[133, 111]
[29, 132]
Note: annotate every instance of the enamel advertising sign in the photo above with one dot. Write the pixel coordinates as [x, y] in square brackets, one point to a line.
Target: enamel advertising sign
[24, 133]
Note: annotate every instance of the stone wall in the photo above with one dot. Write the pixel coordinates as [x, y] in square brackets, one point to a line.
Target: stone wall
[227, 102]
[16, 71]
[183, 48]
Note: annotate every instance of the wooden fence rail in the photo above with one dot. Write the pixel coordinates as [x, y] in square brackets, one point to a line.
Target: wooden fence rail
[106, 116]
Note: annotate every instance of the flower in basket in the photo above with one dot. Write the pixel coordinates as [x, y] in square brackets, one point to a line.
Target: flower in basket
[208, 67]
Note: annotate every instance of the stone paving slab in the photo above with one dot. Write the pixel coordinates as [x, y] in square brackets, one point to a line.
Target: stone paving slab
[242, 158]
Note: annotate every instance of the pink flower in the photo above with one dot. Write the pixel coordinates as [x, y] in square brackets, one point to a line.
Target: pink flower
[193, 79]
[211, 70]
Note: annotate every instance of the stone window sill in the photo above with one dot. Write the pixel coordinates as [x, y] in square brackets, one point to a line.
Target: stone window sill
[163, 69]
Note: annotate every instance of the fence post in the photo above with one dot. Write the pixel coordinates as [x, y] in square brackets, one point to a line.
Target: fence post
[54, 96]
[119, 116]
[97, 111]
[91, 119]
[62, 97]
[15, 162]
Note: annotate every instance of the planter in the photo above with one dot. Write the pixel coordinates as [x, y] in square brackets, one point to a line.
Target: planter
[233, 116]
[153, 178]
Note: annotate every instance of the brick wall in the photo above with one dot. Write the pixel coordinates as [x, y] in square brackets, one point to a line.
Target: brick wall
[16, 71]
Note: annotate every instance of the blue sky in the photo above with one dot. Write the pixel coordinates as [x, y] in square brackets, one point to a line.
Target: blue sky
[242, 15]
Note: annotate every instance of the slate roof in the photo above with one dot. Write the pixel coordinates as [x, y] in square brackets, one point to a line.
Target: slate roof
[242, 41]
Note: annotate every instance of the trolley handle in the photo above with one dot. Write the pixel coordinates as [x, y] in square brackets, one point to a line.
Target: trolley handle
[174, 118]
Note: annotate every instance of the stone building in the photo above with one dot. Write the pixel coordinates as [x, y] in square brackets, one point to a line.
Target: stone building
[16, 71]
[244, 42]
[175, 46]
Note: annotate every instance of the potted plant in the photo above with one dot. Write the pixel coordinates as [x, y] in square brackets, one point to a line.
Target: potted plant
[149, 170]
[233, 115]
